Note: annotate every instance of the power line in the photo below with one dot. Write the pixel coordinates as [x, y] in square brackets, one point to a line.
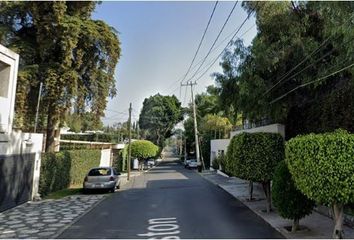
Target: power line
[299, 64]
[201, 41]
[213, 62]
[311, 82]
[214, 49]
[217, 38]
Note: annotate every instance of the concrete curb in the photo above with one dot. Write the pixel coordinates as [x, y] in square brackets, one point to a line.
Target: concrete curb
[79, 217]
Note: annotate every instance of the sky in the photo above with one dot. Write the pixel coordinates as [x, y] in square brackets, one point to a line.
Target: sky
[158, 42]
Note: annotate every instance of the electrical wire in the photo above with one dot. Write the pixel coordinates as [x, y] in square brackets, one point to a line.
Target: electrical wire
[311, 82]
[221, 53]
[216, 39]
[201, 41]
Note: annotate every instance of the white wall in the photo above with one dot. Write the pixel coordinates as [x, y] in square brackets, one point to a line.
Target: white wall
[216, 146]
[273, 128]
[106, 158]
[17, 143]
[8, 79]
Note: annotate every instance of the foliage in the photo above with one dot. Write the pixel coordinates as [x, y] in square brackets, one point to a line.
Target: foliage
[220, 127]
[83, 122]
[95, 137]
[322, 166]
[143, 149]
[254, 76]
[64, 169]
[63, 48]
[158, 116]
[215, 164]
[289, 201]
[254, 156]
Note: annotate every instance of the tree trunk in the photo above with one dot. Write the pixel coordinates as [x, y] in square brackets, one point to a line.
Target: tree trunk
[250, 189]
[338, 219]
[295, 226]
[266, 188]
[52, 122]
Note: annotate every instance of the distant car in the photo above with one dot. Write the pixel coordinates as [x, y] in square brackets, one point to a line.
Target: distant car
[186, 162]
[106, 178]
[192, 164]
[150, 163]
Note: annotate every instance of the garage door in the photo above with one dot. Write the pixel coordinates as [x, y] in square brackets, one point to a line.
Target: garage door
[16, 176]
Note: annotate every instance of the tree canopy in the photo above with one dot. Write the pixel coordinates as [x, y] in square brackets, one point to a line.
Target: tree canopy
[158, 117]
[63, 48]
[286, 74]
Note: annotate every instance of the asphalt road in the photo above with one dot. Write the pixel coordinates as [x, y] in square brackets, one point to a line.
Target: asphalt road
[170, 202]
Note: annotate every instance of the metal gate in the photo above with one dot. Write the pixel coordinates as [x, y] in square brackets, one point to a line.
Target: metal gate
[16, 176]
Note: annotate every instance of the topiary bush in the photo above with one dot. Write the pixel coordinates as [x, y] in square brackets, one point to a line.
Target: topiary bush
[322, 166]
[254, 156]
[289, 201]
[64, 169]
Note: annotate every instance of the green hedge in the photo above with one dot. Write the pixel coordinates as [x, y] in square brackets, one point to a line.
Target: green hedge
[143, 149]
[96, 137]
[254, 156]
[288, 200]
[64, 169]
[322, 166]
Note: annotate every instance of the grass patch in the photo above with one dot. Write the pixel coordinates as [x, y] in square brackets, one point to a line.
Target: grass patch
[63, 193]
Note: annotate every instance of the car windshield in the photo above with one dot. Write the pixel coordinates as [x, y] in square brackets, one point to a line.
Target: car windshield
[100, 172]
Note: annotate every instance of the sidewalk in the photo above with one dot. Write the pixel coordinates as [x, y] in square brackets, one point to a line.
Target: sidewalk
[319, 226]
[48, 218]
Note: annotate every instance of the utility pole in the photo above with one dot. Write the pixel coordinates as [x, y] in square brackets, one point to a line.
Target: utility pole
[191, 84]
[37, 109]
[130, 140]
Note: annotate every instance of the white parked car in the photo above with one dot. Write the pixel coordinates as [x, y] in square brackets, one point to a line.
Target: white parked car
[106, 178]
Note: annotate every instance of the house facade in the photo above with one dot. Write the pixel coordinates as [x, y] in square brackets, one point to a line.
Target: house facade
[20, 153]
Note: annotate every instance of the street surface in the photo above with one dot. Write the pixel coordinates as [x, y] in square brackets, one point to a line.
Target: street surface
[170, 202]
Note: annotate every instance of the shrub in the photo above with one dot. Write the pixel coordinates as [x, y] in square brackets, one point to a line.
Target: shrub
[254, 156]
[215, 164]
[289, 201]
[143, 149]
[63, 169]
[322, 166]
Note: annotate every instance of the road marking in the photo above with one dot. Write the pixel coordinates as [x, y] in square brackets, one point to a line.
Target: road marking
[165, 228]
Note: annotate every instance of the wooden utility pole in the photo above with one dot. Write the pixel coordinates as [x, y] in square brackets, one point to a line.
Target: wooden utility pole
[191, 84]
[130, 140]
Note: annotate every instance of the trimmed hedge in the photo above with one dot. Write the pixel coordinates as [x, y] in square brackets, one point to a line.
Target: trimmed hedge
[143, 149]
[289, 201]
[254, 156]
[322, 166]
[95, 137]
[64, 169]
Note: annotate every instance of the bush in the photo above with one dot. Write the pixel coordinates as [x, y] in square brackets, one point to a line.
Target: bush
[289, 201]
[215, 164]
[254, 156]
[143, 149]
[64, 169]
[322, 166]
